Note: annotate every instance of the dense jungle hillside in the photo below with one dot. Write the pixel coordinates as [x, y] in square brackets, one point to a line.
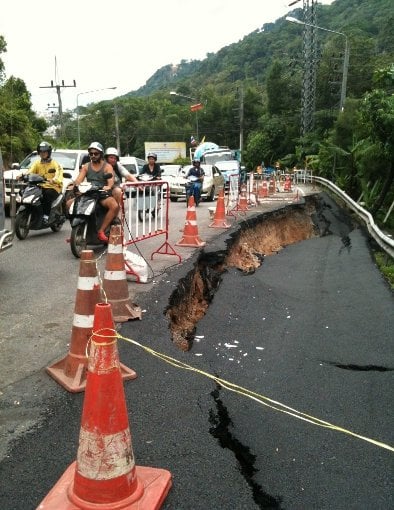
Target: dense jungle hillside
[251, 58]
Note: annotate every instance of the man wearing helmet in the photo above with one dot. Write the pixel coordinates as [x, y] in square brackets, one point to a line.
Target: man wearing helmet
[53, 173]
[112, 157]
[196, 171]
[152, 168]
[94, 172]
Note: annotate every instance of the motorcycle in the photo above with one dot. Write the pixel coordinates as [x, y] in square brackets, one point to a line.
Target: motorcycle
[193, 189]
[86, 214]
[146, 199]
[30, 215]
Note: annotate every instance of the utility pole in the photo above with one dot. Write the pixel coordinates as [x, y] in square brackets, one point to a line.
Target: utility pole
[241, 121]
[310, 64]
[59, 97]
[117, 135]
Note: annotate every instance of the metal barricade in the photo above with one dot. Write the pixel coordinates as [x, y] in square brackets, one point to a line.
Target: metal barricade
[233, 194]
[146, 214]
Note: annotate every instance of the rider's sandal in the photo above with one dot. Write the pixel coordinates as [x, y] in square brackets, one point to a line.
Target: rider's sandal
[102, 237]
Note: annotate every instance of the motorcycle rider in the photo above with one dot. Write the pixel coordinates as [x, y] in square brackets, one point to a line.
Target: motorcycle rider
[196, 171]
[53, 184]
[152, 168]
[94, 172]
[112, 157]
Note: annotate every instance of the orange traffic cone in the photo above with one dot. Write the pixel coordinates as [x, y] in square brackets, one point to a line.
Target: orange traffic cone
[104, 475]
[70, 371]
[242, 201]
[219, 220]
[287, 184]
[190, 231]
[115, 280]
[263, 190]
[271, 186]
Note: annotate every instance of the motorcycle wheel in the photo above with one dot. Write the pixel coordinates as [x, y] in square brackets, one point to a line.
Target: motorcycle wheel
[22, 225]
[55, 227]
[77, 241]
[142, 214]
[212, 194]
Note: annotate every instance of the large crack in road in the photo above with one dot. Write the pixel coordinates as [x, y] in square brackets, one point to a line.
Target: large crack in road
[263, 235]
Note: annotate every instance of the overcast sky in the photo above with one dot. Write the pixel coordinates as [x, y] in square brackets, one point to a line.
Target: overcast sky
[118, 44]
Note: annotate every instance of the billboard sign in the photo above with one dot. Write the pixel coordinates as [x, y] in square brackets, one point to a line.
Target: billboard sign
[166, 152]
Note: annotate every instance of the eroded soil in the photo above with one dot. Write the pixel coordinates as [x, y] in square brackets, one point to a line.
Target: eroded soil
[261, 236]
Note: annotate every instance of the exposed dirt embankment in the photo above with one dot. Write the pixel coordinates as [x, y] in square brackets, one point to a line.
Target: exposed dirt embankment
[260, 236]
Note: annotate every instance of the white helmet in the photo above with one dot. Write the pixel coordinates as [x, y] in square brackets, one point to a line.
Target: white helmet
[97, 146]
[111, 151]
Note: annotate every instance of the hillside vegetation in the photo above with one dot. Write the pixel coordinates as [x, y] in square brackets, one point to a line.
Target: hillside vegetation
[251, 91]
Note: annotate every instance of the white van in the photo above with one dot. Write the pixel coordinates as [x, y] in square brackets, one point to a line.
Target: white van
[133, 165]
[227, 168]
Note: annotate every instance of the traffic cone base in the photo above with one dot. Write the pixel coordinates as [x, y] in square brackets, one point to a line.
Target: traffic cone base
[75, 382]
[153, 485]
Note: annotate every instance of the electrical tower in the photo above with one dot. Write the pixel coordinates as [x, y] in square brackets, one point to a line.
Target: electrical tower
[310, 64]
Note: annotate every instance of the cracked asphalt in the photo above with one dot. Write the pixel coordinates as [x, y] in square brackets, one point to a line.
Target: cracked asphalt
[310, 329]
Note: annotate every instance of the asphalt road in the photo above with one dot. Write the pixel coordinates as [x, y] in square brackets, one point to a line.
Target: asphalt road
[311, 329]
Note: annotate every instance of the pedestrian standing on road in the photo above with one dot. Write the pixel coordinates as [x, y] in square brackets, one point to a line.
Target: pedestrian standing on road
[53, 184]
[112, 157]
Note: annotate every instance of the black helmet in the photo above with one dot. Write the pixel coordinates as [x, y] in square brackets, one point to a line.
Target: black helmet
[152, 155]
[196, 160]
[44, 147]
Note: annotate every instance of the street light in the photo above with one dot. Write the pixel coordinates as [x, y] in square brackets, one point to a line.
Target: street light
[80, 94]
[345, 57]
[193, 107]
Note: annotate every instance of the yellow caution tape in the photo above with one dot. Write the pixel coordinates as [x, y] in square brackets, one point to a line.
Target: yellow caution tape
[261, 399]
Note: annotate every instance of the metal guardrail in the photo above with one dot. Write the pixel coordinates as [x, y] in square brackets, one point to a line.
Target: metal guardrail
[384, 241]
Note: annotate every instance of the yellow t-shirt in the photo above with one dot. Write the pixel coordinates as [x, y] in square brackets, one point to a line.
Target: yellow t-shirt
[42, 168]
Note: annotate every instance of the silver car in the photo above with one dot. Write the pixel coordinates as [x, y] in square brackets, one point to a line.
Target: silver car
[213, 182]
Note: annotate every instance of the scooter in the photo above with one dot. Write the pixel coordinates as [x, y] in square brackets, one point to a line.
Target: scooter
[193, 189]
[86, 214]
[30, 215]
[146, 199]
